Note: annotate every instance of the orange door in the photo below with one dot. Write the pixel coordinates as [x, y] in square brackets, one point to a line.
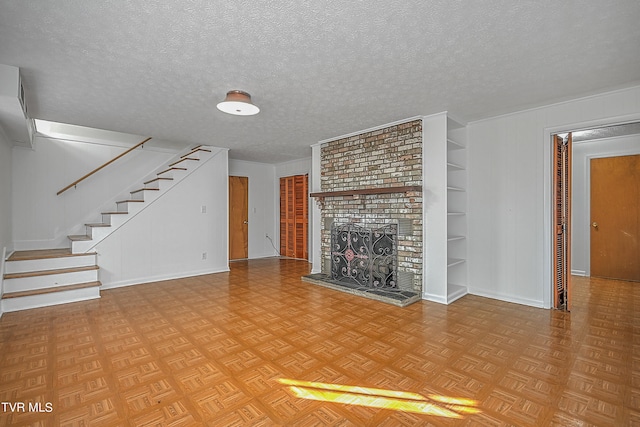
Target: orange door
[294, 216]
[615, 217]
[562, 222]
[238, 217]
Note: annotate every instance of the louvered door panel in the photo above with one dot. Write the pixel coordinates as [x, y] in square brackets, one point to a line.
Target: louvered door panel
[294, 200]
[562, 222]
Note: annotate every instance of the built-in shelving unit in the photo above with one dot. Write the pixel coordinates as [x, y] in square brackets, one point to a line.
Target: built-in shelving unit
[456, 211]
[445, 219]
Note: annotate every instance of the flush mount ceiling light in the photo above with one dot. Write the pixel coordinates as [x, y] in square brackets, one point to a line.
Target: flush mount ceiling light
[238, 103]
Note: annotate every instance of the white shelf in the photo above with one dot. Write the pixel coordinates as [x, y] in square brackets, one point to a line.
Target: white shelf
[451, 188]
[454, 167]
[454, 145]
[456, 213]
[455, 292]
[454, 238]
[454, 261]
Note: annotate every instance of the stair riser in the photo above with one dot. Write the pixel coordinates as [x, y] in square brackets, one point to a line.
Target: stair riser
[54, 298]
[115, 220]
[98, 233]
[49, 281]
[131, 207]
[80, 247]
[175, 174]
[162, 184]
[49, 264]
[147, 196]
[198, 155]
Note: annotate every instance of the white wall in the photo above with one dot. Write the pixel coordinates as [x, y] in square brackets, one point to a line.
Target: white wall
[169, 238]
[583, 152]
[6, 239]
[262, 207]
[294, 167]
[43, 219]
[509, 247]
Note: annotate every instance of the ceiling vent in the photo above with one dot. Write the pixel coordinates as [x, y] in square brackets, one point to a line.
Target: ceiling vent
[14, 117]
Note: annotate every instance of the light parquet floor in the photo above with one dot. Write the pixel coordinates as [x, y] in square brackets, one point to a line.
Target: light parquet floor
[259, 347]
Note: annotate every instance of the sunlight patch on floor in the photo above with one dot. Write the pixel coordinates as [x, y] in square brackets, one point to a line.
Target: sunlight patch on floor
[432, 404]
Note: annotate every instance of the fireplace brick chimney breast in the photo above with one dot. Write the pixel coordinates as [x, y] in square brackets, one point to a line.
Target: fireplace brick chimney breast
[388, 157]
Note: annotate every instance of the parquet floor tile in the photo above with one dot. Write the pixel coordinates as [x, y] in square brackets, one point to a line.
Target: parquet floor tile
[259, 347]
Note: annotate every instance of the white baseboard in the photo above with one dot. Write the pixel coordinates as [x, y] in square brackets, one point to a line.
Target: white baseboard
[434, 298]
[507, 298]
[579, 273]
[159, 278]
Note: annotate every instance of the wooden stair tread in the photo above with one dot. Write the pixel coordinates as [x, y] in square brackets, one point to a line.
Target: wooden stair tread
[144, 189]
[98, 224]
[195, 150]
[131, 200]
[170, 169]
[115, 213]
[158, 179]
[184, 159]
[44, 291]
[79, 238]
[50, 272]
[44, 254]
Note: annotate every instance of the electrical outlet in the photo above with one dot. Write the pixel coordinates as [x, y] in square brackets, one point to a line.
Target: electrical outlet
[204, 255]
[203, 209]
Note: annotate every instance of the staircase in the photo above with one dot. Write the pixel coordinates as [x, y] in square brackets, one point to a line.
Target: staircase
[40, 278]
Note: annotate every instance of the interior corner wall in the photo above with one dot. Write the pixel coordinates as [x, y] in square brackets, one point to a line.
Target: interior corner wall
[174, 237]
[262, 207]
[6, 237]
[583, 152]
[509, 194]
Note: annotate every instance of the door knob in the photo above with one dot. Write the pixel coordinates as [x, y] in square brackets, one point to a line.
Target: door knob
[247, 222]
[595, 224]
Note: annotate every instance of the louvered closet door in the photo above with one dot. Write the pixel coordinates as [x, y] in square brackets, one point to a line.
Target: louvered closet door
[562, 222]
[294, 200]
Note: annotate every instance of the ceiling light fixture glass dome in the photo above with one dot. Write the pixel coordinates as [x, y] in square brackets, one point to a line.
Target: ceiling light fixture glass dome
[238, 103]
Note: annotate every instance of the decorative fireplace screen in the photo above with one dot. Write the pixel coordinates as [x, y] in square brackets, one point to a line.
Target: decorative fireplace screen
[364, 256]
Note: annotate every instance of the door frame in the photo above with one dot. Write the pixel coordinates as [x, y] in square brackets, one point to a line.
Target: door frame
[548, 243]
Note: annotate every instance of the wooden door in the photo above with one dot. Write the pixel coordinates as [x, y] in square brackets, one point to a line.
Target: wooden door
[294, 216]
[562, 222]
[615, 217]
[238, 217]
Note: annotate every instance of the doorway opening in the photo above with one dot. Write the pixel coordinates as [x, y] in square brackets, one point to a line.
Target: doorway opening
[574, 214]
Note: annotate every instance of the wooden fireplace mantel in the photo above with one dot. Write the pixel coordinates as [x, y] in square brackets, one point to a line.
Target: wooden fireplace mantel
[367, 191]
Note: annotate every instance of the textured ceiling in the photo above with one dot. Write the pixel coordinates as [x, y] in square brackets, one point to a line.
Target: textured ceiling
[317, 69]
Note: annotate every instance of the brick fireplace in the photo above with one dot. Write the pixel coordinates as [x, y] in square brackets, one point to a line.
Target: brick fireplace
[373, 180]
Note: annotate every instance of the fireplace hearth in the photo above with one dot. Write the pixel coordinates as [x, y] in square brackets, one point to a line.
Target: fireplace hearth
[364, 262]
